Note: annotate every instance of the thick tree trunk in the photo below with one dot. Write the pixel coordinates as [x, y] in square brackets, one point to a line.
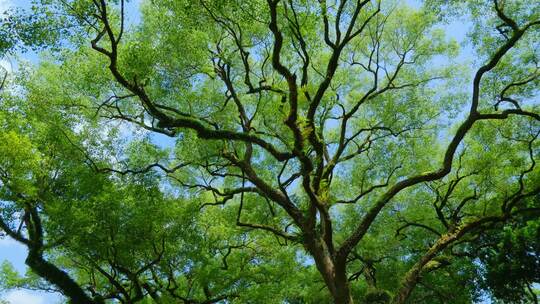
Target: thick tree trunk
[413, 275]
[408, 284]
[335, 276]
[343, 291]
[59, 278]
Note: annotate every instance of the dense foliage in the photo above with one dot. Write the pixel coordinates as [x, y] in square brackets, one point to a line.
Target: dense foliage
[279, 151]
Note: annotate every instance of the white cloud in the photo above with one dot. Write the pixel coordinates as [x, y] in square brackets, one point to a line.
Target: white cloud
[4, 4]
[23, 297]
[6, 65]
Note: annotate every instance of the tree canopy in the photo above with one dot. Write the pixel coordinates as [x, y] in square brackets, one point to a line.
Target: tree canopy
[278, 151]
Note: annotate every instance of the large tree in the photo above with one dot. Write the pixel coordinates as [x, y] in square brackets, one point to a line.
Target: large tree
[351, 129]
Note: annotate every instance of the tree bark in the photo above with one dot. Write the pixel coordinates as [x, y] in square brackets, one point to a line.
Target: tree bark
[334, 274]
[413, 275]
[343, 291]
[58, 277]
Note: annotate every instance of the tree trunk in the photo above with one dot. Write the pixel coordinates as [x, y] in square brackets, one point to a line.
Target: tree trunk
[408, 284]
[413, 275]
[343, 291]
[58, 277]
[335, 276]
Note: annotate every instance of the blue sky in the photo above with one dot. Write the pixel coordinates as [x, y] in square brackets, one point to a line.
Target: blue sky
[15, 253]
